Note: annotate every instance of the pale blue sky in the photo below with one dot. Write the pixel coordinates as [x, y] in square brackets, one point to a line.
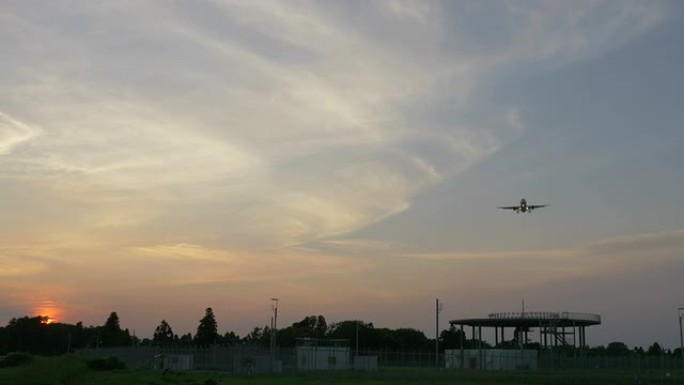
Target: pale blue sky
[347, 157]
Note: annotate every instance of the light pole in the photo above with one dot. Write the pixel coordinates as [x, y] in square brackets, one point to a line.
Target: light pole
[438, 309]
[274, 326]
[357, 337]
[681, 337]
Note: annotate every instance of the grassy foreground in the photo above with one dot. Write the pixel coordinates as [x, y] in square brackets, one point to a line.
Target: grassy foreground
[73, 371]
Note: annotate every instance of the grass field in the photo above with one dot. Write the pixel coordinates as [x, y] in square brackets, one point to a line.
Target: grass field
[73, 371]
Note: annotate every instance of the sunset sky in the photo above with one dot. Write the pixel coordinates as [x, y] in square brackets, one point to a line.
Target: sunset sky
[347, 157]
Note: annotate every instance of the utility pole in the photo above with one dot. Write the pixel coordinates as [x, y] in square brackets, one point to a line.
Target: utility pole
[357, 337]
[438, 309]
[274, 323]
[681, 337]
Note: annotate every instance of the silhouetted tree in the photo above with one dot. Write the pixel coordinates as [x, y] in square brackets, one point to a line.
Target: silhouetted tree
[259, 336]
[27, 334]
[207, 332]
[230, 338]
[34, 335]
[186, 339]
[451, 338]
[111, 333]
[654, 350]
[617, 349]
[163, 334]
[408, 338]
[348, 330]
[309, 327]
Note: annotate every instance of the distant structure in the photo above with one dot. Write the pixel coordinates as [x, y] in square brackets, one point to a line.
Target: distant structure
[322, 354]
[555, 328]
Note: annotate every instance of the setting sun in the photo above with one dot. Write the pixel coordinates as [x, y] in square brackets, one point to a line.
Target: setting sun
[48, 309]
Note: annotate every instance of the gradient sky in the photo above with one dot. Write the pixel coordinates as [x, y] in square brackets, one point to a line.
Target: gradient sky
[159, 157]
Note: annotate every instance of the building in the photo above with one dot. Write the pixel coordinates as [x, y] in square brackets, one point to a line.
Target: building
[322, 354]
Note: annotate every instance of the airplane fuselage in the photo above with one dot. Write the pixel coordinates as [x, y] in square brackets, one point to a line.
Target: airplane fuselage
[523, 207]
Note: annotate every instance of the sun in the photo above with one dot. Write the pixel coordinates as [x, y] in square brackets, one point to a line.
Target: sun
[49, 311]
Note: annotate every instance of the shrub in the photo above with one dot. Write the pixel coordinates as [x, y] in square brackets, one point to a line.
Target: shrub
[15, 359]
[106, 363]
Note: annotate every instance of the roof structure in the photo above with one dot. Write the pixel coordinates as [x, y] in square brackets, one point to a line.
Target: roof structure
[532, 319]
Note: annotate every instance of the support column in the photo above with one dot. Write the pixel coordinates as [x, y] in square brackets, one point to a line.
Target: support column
[564, 333]
[540, 336]
[479, 344]
[462, 357]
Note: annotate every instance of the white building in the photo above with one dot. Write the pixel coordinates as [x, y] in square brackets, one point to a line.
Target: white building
[322, 358]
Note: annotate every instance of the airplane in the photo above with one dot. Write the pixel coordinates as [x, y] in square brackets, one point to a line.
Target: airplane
[523, 207]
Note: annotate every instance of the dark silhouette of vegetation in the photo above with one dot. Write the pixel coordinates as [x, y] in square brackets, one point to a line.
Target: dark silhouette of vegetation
[106, 363]
[207, 331]
[163, 335]
[34, 335]
[111, 332]
[15, 359]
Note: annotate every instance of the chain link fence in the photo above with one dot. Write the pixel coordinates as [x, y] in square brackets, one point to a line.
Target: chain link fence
[246, 359]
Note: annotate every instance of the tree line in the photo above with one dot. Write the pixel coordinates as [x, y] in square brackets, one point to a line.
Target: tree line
[37, 336]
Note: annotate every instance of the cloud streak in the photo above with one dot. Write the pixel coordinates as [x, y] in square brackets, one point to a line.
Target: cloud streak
[287, 111]
[13, 133]
[237, 145]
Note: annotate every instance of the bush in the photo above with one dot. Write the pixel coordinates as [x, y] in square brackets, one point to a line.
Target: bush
[106, 363]
[15, 359]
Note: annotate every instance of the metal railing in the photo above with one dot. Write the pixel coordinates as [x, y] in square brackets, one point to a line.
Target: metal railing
[546, 315]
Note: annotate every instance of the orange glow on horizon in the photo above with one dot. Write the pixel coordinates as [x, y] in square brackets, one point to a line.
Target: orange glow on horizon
[49, 310]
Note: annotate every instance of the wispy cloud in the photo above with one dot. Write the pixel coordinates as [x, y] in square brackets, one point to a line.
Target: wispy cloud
[305, 116]
[235, 144]
[13, 133]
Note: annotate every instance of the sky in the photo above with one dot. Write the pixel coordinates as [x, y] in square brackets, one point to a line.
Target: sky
[347, 158]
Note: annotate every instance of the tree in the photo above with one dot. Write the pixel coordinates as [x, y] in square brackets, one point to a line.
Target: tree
[321, 327]
[27, 334]
[368, 336]
[185, 339]
[163, 335]
[230, 338]
[452, 338]
[207, 331]
[111, 333]
[259, 336]
[309, 327]
[407, 338]
[654, 350]
[617, 349]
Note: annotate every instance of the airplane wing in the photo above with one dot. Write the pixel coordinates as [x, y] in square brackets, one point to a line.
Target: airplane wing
[509, 207]
[532, 207]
